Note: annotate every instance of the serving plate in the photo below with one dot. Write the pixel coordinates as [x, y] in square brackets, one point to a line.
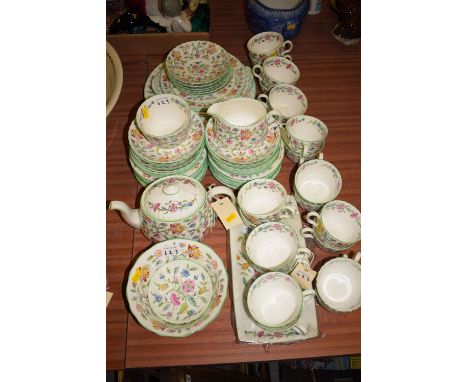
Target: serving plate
[243, 274]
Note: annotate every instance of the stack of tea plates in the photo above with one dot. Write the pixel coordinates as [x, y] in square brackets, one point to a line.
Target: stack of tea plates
[234, 167]
[150, 162]
[201, 91]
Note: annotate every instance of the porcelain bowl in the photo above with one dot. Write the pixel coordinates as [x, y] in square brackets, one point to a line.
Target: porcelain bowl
[114, 77]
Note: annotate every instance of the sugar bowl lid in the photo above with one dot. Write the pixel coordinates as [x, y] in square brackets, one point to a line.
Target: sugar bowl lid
[173, 198]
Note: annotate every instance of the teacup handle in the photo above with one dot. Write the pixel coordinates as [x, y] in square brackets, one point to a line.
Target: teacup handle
[307, 232]
[305, 148]
[309, 218]
[254, 71]
[263, 98]
[357, 257]
[287, 45]
[221, 190]
[320, 156]
[305, 256]
[288, 57]
[301, 328]
[273, 117]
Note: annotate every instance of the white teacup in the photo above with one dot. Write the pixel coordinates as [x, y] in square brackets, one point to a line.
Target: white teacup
[316, 182]
[304, 136]
[337, 227]
[286, 99]
[267, 44]
[276, 302]
[274, 71]
[264, 200]
[338, 284]
[274, 246]
[164, 119]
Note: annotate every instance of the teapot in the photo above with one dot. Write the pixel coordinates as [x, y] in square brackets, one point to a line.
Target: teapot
[173, 206]
[242, 123]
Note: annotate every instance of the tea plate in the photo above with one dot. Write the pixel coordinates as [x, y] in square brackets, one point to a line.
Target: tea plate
[153, 153]
[144, 295]
[240, 155]
[243, 274]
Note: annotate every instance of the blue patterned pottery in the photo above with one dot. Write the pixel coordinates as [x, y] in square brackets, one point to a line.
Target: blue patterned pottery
[263, 18]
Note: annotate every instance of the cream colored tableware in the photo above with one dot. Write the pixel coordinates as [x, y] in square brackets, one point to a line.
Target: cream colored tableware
[242, 122]
[197, 62]
[316, 182]
[304, 136]
[114, 77]
[286, 99]
[276, 301]
[164, 119]
[177, 287]
[173, 206]
[274, 71]
[274, 246]
[264, 200]
[338, 284]
[337, 227]
[267, 44]
[243, 274]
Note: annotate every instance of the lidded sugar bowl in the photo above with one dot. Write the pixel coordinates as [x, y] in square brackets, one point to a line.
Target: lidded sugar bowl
[173, 206]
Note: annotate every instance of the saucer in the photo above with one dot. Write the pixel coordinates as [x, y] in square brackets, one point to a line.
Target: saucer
[144, 294]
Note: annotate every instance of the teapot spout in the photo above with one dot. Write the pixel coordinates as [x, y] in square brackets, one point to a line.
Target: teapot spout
[129, 215]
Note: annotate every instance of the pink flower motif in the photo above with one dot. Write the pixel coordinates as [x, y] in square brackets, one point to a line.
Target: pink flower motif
[269, 277]
[139, 308]
[229, 142]
[340, 207]
[277, 226]
[214, 264]
[278, 334]
[354, 215]
[174, 299]
[156, 206]
[250, 151]
[270, 185]
[188, 286]
[260, 333]
[173, 207]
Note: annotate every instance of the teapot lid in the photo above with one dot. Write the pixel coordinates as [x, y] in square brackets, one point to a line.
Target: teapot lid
[173, 198]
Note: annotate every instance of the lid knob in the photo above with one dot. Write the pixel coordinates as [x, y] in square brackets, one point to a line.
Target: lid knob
[171, 189]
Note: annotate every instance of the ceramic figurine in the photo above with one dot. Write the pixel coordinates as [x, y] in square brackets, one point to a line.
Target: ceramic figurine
[133, 21]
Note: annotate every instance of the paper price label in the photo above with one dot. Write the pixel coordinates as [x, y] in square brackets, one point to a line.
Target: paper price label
[303, 275]
[227, 213]
[108, 297]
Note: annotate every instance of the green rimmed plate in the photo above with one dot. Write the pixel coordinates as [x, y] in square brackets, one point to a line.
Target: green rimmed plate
[141, 299]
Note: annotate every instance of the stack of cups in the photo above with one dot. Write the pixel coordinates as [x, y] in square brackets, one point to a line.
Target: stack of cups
[166, 139]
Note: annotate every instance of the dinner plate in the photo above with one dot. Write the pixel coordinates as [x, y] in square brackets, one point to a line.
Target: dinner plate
[179, 288]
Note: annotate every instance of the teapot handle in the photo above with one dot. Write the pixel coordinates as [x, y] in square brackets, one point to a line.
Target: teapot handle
[221, 190]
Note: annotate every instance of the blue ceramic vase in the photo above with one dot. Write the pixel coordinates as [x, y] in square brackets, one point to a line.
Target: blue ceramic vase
[285, 21]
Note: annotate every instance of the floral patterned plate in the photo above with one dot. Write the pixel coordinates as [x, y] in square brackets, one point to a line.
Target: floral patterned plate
[151, 152]
[169, 280]
[243, 274]
[235, 154]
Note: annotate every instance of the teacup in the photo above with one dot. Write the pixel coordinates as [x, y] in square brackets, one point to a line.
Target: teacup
[338, 284]
[274, 71]
[274, 246]
[304, 136]
[276, 302]
[337, 226]
[267, 44]
[286, 99]
[264, 200]
[316, 182]
[164, 119]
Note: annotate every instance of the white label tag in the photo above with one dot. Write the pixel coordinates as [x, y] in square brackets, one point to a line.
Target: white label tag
[303, 275]
[108, 297]
[227, 213]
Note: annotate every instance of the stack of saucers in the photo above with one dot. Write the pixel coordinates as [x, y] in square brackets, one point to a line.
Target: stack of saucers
[202, 73]
[238, 154]
[166, 139]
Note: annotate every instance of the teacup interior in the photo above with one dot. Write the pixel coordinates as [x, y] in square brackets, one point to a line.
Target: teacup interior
[275, 303]
[163, 119]
[242, 111]
[341, 225]
[260, 201]
[306, 130]
[280, 4]
[287, 104]
[268, 43]
[271, 248]
[316, 183]
[285, 71]
[339, 284]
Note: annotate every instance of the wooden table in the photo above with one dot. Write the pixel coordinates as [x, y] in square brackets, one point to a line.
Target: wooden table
[330, 78]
